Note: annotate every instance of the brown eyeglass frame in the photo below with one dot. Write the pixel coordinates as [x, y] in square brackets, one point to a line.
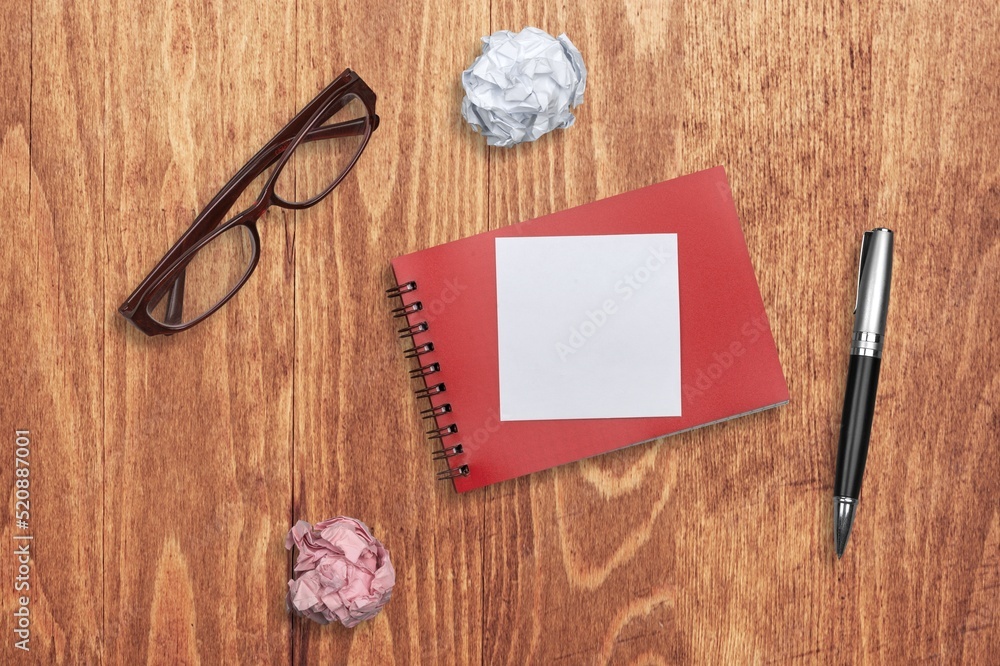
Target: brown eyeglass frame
[307, 125]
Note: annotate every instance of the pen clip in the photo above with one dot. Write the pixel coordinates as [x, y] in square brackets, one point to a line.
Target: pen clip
[861, 267]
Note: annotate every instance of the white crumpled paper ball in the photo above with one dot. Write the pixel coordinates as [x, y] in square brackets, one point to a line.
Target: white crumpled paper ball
[523, 86]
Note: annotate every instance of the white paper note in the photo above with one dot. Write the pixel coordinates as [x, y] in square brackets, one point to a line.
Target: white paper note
[588, 327]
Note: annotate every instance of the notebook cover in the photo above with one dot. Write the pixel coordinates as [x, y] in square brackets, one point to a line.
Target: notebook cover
[729, 363]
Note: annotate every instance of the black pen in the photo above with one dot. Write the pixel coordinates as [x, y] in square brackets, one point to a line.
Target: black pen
[870, 308]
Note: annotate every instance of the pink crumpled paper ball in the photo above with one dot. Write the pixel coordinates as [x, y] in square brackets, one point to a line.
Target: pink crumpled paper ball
[343, 572]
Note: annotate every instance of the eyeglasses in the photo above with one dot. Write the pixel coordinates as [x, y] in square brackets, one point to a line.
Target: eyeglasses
[220, 250]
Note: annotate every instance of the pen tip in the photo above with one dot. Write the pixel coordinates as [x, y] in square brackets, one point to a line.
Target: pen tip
[843, 521]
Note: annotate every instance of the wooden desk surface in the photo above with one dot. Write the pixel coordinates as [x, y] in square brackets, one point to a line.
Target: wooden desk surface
[165, 472]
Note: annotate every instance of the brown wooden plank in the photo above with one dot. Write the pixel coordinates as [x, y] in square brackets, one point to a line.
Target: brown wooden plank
[715, 546]
[198, 440]
[360, 448]
[23, 370]
[53, 322]
[935, 91]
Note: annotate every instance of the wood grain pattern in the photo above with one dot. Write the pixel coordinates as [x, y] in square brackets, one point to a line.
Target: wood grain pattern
[166, 471]
[198, 465]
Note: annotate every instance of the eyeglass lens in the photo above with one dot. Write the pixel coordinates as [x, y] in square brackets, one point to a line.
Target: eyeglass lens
[315, 165]
[211, 274]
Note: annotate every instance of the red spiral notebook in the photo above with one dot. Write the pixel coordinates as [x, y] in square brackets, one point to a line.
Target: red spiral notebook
[585, 331]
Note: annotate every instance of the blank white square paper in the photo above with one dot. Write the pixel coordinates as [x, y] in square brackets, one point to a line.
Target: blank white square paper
[589, 327]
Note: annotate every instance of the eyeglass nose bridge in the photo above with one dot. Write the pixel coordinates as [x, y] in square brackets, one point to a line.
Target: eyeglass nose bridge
[256, 211]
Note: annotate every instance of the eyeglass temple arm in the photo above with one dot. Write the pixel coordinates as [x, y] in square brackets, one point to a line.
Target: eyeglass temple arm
[175, 297]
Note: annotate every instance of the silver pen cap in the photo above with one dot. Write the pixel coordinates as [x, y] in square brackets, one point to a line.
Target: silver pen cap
[872, 304]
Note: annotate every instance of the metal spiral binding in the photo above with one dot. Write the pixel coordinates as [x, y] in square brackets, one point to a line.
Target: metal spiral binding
[441, 433]
[453, 472]
[423, 371]
[410, 331]
[447, 452]
[412, 308]
[430, 390]
[419, 350]
[401, 289]
[434, 412]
